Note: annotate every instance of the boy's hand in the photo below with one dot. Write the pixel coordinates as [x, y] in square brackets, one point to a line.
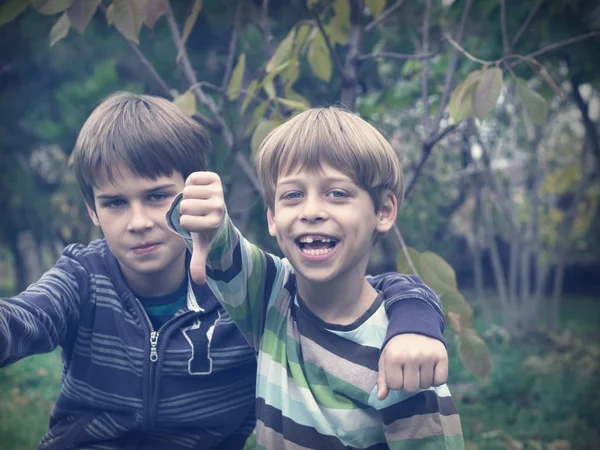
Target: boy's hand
[202, 209]
[411, 362]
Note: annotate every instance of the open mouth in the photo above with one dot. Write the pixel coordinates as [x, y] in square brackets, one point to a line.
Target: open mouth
[315, 245]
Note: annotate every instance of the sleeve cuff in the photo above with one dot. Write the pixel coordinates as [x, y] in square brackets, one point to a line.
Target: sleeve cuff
[413, 316]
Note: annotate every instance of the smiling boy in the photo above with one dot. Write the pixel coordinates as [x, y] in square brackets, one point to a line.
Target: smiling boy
[151, 360]
[331, 184]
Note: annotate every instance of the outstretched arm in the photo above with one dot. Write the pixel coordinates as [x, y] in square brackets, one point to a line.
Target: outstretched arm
[40, 318]
[414, 355]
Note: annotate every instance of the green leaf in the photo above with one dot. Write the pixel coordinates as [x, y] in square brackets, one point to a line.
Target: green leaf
[260, 133]
[81, 12]
[338, 33]
[474, 353]
[258, 114]
[341, 9]
[292, 104]
[319, 58]
[51, 6]
[293, 95]
[235, 83]
[461, 101]
[127, 17]
[269, 88]
[189, 25]
[376, 7]
[454, 302]
[402, 265]
[154, 10]
[11, 9]
[291, 73]
[301, 35]
[249, 95]
[60, 29]
[282, 52]
[187, 102]
[310, 4]
[535, 105]
[487, 92]
[434, 267]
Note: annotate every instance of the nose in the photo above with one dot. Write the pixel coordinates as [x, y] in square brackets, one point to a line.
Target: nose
[139, 219]
[312, 210]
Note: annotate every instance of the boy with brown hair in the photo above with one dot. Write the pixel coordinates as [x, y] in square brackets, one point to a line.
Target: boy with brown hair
[331, 184]
[150, 359]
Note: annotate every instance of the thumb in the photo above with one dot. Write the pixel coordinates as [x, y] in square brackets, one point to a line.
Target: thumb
[200, 249]
[382, 388]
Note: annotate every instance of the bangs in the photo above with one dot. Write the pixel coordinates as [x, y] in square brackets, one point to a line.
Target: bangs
[334, 137]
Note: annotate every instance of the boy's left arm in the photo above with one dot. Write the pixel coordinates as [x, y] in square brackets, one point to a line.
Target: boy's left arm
[413, 355]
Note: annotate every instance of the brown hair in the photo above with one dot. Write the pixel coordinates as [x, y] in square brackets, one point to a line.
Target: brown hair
[336, 137]
[150, 135]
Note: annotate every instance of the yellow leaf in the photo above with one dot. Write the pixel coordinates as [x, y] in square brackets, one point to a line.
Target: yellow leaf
[260, 133]
[51, 6]
[461, 105]
[235, 83]
[189, 25]
[319, 58]
[292, 104]
[81, 12]
[487, 92]
[11, 9]
[60, 29]
[154, 10]
[127, 17]
[187, 102]
[474, 353]
[376, 7]
[282, 52]
[258, 114]
[442, 271]
[535, 105]
[402, 264]
[249, 95]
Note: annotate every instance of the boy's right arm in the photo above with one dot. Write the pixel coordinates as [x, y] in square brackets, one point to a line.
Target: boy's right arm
[242, 277]
[40, 318]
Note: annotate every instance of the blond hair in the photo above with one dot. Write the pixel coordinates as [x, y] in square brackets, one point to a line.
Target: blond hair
[150, 135]
[338, 138]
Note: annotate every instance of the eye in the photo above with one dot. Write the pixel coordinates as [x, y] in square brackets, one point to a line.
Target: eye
[338, 193]
[114, 203]
[157, 196]
[291, 195]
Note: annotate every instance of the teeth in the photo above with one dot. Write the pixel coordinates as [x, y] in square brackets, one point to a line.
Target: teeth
[309, 240]
[316, 251]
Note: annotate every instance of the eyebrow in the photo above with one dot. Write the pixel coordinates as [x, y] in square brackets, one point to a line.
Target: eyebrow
[299, 179]
[148, 191]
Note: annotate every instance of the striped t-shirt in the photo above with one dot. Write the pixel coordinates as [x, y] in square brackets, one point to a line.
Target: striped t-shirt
[317, 382]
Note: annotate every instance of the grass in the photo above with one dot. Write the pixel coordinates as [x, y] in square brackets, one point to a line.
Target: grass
[526, 404]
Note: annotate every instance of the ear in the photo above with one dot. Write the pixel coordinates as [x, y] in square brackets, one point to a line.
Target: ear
[92, 214]
[388, 210]
[271, 222]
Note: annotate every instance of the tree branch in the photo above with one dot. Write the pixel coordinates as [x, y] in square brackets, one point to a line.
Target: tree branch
[556, 45]
[401, 56]
[334, 56]
[424, 156]
[190, 75]
[160, 82]
[384, 15]
[400, 239]
[457, 46]
[425, 70]
[505, 46]
[353, 51]
[232, 45]
[452, 67]
[525, 24]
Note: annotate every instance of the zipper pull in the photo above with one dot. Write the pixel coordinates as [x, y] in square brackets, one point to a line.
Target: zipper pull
[153, 343]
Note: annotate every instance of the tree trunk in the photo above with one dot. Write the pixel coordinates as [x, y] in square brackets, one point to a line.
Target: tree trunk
[28, 261]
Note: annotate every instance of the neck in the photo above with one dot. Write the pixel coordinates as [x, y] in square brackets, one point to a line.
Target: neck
[340, 301]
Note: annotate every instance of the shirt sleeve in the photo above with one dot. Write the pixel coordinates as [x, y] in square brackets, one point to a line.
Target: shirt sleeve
[412, 307]
[243, 278]
[428, 419]
[43, 316]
